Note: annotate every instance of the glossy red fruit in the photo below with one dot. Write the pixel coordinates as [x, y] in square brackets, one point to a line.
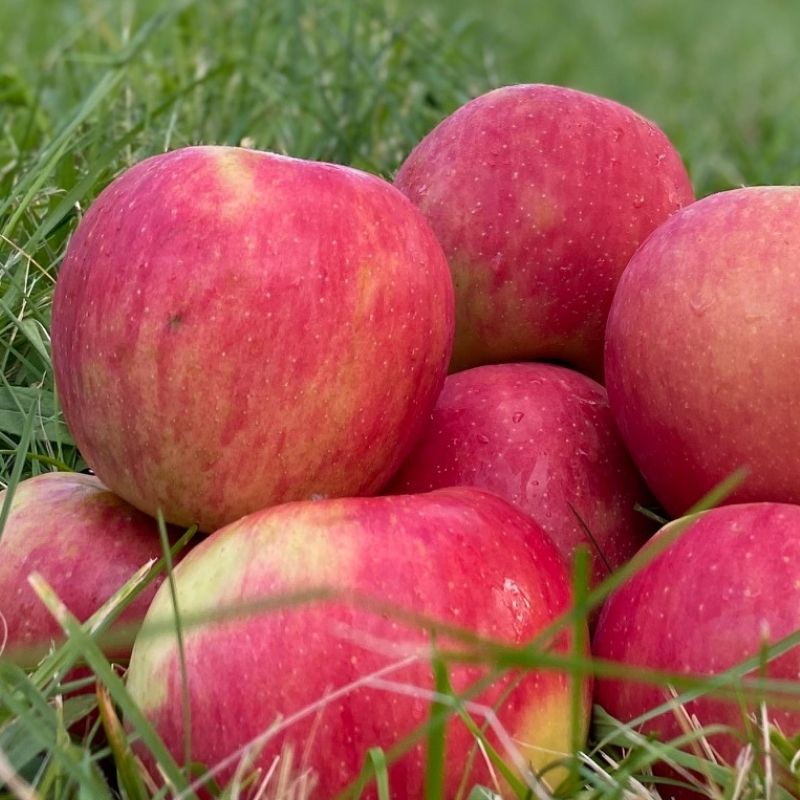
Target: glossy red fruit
[542, 437]
[342, 673]
[234, 329]
[702, 345]
[727, 588]
[83, 540]
[540, 195]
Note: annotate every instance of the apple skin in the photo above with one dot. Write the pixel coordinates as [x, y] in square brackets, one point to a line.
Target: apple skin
[701, 347]
[540, 195]
[728, 585]
[542, 437]
[85, 541]
[234, 329]
[461, 556]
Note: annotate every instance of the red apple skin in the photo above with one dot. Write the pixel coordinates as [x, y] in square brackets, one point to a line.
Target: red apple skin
[540, 195]
[727, 586]
[701, 347]
[234, 329]
[461, 556]
[542, 437]
[83, 540]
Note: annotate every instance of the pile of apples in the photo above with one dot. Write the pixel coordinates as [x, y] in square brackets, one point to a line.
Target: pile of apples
[260, 345]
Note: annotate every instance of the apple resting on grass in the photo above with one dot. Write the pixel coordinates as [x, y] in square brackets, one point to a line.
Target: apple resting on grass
[83, 540]
[702, 349]
[234, 329]
[542, 437]
[727, 587]
[540, 195]
[459, 556]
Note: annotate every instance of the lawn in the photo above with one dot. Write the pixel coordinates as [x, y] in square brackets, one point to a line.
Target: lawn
[89, 88]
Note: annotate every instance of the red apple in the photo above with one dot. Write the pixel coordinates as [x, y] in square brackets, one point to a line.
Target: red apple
[542, 437]
[461, 556]
[726, 587]
[701, 348]
[83, 540]
[540, 195]
[233, 329]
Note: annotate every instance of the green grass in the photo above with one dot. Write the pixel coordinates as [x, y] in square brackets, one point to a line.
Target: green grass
[718, 76]
[88, 88]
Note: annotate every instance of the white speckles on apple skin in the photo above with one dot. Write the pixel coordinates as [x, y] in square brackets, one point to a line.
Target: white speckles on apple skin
[542, 437]
[64, 526]
[701, 346]
[247, 280]
[717, 603]
[443, 546]
[550, 156]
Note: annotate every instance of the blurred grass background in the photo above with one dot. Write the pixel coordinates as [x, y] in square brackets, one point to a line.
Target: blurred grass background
[719, 76]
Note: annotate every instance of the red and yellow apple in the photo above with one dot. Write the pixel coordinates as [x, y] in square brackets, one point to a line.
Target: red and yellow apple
[84, 541]
[728, 586]
[234, 329]
[542, 437]
[540, 195]
[702, 348]
[459, 556]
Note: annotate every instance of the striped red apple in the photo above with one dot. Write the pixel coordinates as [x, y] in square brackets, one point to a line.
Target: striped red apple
[542, 437]
[83, 540]
[540, 195]
[339, 676]
[234, 329]
[728, 587]
[702, 348]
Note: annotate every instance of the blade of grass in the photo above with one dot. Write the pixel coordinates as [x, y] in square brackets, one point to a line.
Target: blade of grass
[16, 402]
[377, 760]
[375, 769]
[437, 729]
[56, 665]
[84, 642]
[39, 722]
[9, 776]
[186, 708]
[482, 793]
[581, 577]
[32, 183]
[16, 472]
[128, 773]
[16, 742]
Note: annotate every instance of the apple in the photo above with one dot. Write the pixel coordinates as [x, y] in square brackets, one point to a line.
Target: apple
[86, 543]
[701, 347]
[540, 195]
[726, 587]
[234, 329]
[460, 556]
[542, 437]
